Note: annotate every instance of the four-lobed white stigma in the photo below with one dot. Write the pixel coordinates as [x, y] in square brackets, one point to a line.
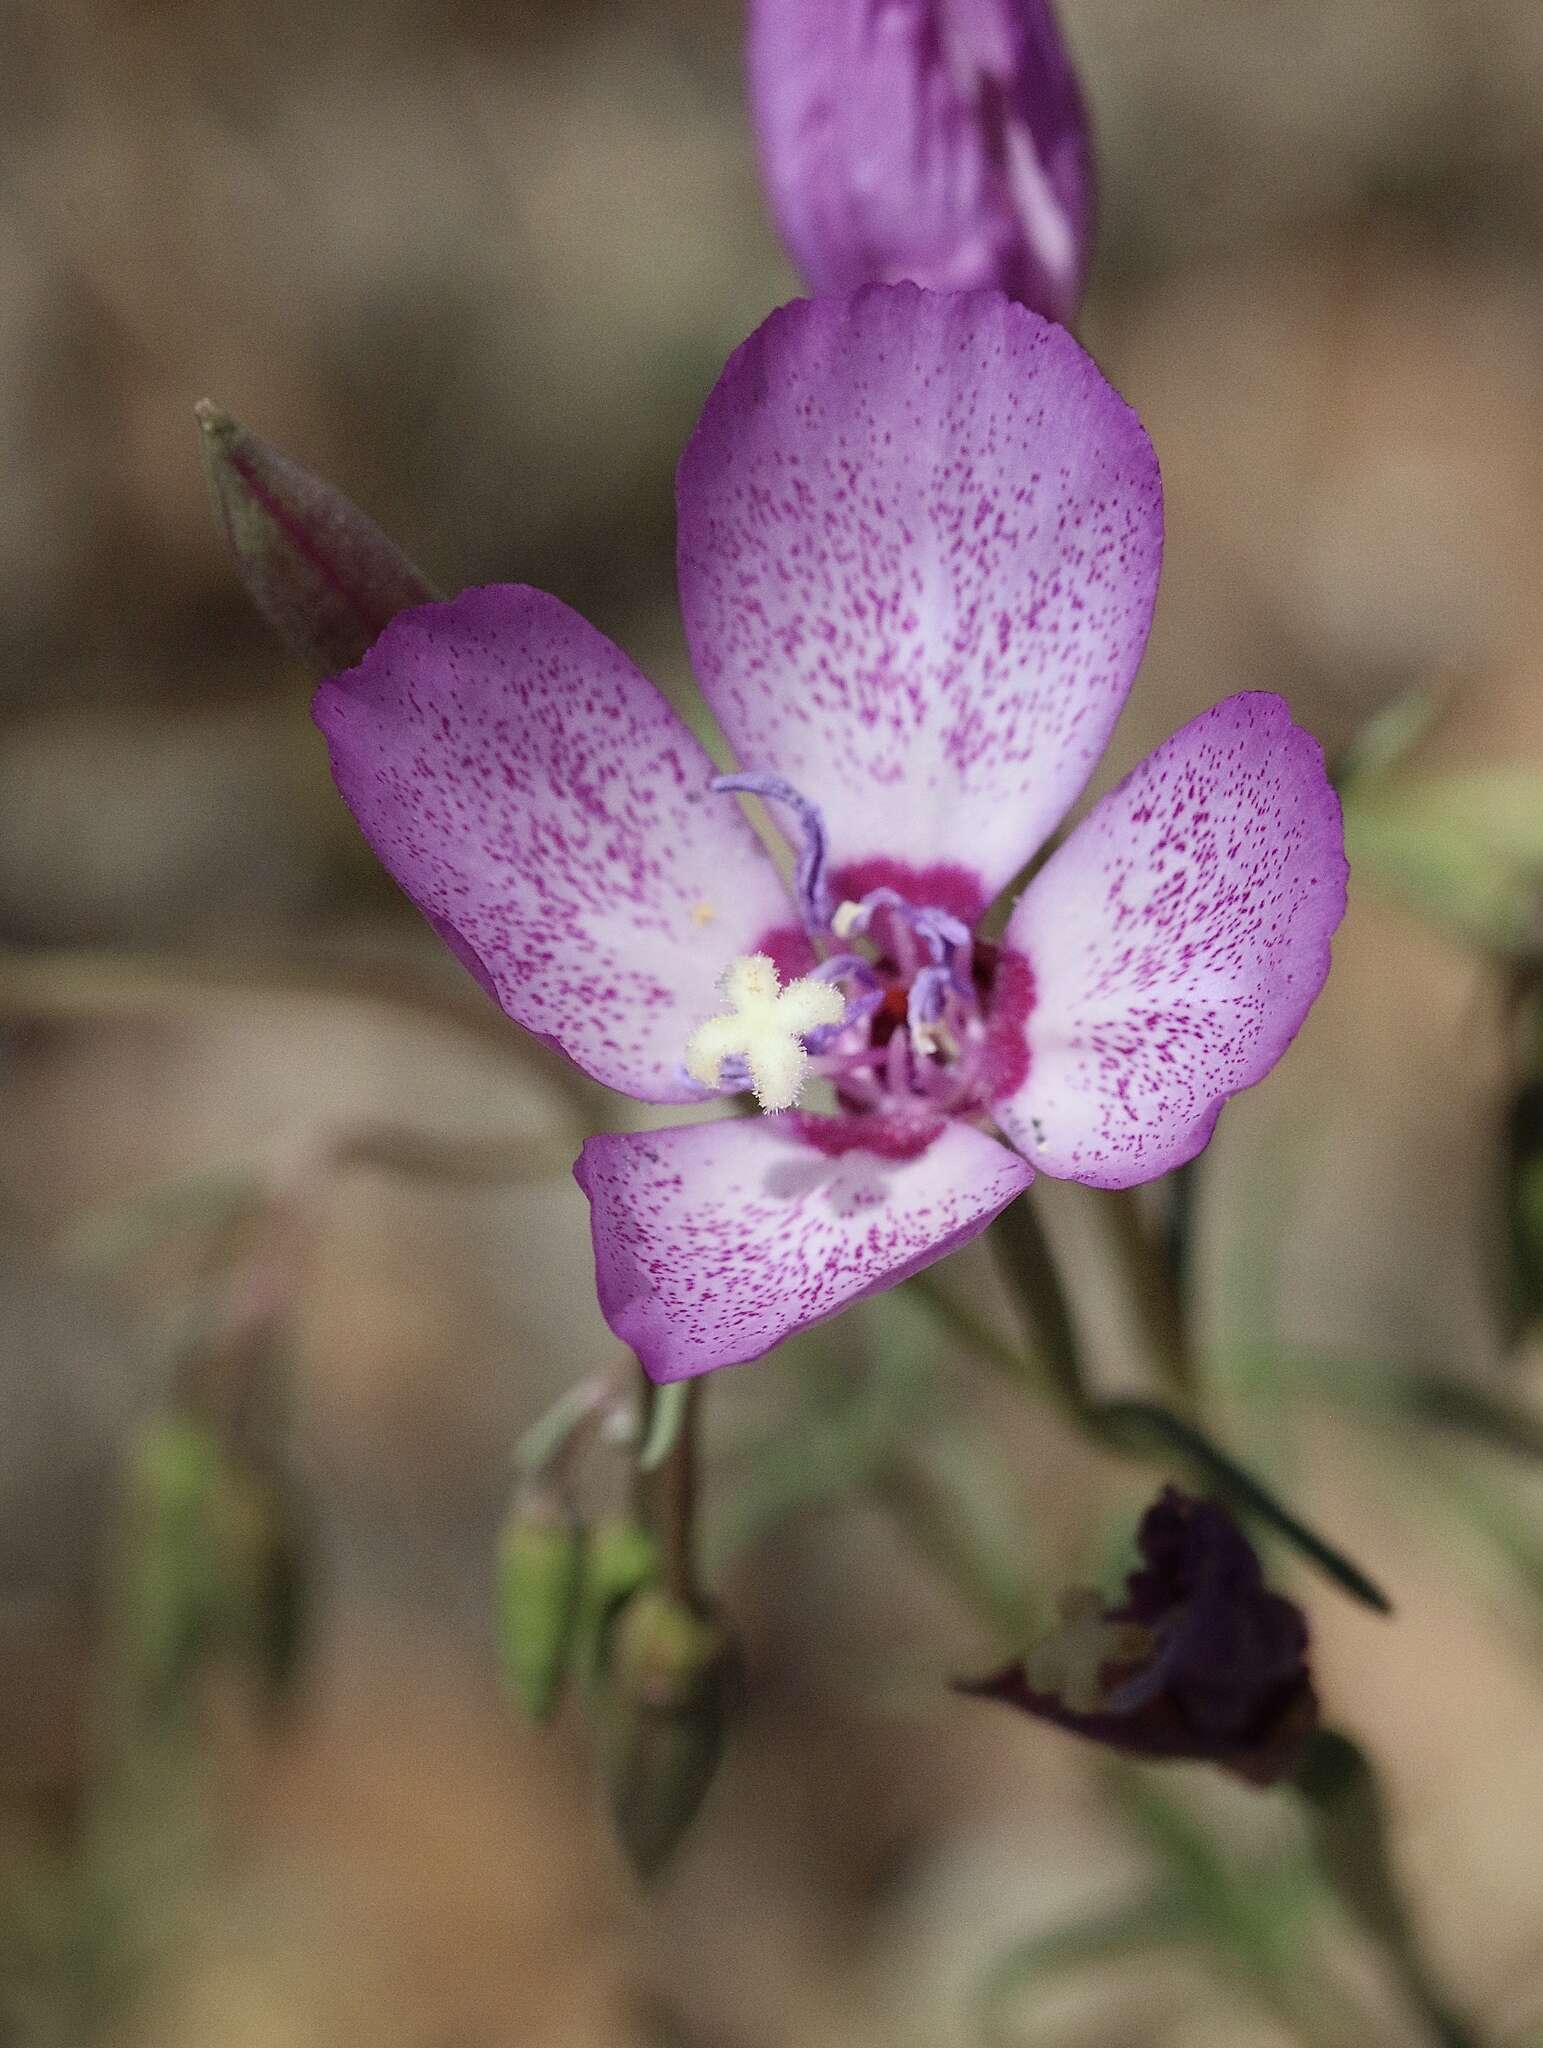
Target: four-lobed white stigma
[765, 1026]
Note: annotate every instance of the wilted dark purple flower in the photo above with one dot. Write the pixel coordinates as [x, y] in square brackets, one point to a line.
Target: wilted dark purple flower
[944, 141]
[1200, 1660]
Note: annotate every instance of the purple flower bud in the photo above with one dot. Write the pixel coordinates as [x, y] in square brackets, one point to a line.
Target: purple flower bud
[322, 574]
[944, 141]
[1200, 1660]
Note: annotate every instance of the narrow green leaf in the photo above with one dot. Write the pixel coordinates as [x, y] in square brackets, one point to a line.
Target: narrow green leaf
[1033, 1965]
[1140, 1426]
[1339, 1785]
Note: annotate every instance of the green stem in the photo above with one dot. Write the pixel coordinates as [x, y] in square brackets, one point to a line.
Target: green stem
[1027, 1264]
[1337, 1782]
[667, 1491]
[973, 1330]
[570, 1418]
[665, 1422]
[1153, 1292]
[1144, 1429]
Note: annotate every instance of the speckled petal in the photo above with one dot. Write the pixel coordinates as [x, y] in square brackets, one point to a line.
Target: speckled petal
[1176, 940]
[550, 815]
[919, 546]
[714, 1241]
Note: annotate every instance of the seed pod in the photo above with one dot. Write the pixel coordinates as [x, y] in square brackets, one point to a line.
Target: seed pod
[167, 1593]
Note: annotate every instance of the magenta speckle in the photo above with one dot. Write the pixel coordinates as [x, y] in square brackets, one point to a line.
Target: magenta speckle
[919, 546]
[1178, 939]
[714, 1241]
[549, 813]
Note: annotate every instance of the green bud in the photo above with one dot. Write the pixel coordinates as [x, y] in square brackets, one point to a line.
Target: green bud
[167, 1582]
[322, 574]
[210, 1560]
[671, 1685]
[621, 1557]
[540, 1570]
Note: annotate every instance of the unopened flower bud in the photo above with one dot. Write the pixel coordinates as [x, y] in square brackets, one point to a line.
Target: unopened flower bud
[322, 574]
[1199, 1660]
[211, 1561]
[167, 1588]
[540, 1570]
[670, 1689]
[944, 141]
[621, 1557]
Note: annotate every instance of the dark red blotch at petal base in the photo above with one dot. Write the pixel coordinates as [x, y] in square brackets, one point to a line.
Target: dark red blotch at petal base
[943, 886]
[1007, 994]
[1225, 1680]
[886, 1137]
[789, 951]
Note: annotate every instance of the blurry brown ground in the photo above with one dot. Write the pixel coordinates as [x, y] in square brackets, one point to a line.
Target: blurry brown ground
[480, 264]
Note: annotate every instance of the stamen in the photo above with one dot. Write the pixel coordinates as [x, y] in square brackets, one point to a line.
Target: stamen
[809, 870]
[940, 933]
[841, 965]
[924, 1008]
[950, 934]
[765, 1026]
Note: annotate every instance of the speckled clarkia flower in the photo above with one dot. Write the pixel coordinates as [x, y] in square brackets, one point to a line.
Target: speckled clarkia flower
[1199, 1661]
[919, 539]
[943, 141]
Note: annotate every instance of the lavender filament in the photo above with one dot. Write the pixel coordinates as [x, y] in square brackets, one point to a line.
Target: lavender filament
[809, 871]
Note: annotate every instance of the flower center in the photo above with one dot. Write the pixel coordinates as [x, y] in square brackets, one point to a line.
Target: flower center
[906, 1013]
[913, 1022]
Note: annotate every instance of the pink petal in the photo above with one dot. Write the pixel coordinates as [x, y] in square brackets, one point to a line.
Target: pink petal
[919, 547]
[714, 1241]
[550, 815]
[1176, 940]
[943, 141]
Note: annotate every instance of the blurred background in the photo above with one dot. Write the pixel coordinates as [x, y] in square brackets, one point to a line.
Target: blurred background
[479, 264]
